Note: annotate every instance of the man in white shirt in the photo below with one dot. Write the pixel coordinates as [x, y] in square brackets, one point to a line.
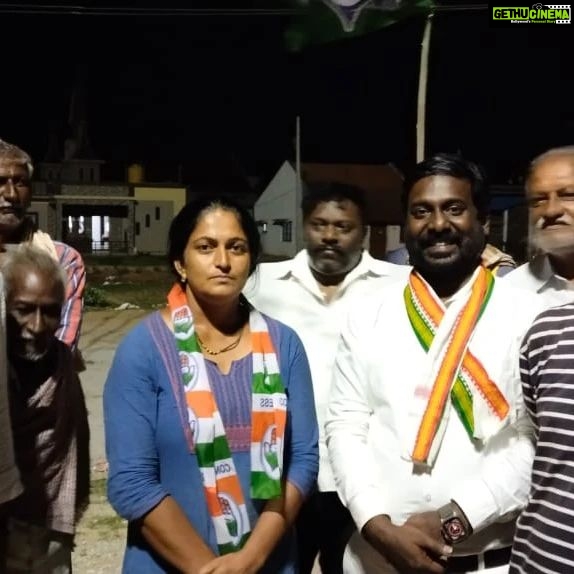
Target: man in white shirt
[427, 434]
[550, 196]
[311, 293]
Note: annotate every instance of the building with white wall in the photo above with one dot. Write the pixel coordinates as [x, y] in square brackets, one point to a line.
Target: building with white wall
[278, 214]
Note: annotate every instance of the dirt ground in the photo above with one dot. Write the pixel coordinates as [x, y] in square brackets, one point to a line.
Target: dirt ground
[101, 534]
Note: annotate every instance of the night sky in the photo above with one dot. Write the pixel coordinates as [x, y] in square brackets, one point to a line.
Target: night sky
[196, 89]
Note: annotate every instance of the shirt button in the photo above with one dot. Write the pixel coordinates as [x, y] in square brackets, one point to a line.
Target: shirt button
[428, 497]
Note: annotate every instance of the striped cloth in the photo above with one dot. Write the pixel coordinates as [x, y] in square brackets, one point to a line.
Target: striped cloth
[544, 540]
[73, 265]
[72, 311]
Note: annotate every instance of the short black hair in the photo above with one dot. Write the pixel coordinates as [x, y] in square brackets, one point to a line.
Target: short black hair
[456, 166]
[187, 219]
[316, 193]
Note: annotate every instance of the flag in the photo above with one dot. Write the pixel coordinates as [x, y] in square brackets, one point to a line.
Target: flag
[321, 21]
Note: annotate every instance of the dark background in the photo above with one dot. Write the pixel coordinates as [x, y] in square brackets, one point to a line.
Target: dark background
[212, 88]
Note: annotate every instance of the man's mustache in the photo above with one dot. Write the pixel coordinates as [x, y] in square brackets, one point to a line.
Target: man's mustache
[543, 223]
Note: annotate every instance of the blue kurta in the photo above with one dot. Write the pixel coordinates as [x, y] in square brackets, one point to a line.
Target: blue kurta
[149, 446]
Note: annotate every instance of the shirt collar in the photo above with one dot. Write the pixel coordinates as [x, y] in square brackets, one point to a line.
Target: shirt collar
[299, 268]
[544, 276]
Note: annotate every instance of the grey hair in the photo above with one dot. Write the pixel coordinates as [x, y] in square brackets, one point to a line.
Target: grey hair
[567, 150]
[13, 153]
[29, 257]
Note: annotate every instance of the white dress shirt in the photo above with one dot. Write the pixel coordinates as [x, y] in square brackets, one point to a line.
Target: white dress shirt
[539, 277]
[288, 292]
[378, 364]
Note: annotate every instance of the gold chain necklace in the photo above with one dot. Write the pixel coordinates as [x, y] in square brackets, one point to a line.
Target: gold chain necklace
[229, 347]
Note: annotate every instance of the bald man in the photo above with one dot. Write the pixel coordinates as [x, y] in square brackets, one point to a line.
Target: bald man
[550, 196]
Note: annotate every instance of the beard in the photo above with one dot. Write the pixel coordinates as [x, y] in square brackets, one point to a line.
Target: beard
[556, 241]
[30, 351]
[337, 262]
[463, 254]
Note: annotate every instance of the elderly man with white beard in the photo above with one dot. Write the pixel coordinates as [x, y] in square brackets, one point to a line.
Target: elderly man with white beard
[543, 538]
[48, 418]
[550, 196]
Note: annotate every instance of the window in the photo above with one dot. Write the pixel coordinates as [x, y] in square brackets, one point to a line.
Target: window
[81, 174]
[147, 220]
[286, 229]
[287, 234]
[157, 214]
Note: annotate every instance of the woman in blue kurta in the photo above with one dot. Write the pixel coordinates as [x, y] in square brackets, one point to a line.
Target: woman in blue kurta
[161, 479]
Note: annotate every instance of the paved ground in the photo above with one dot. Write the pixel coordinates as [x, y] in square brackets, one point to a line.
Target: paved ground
[101, 333]
[101, 534]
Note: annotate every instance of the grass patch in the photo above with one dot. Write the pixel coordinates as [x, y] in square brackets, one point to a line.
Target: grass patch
[125, 260]
[106, 525]
[98, 488]
[95, 297]
[100, 517]
[148, 295]
[145, 287]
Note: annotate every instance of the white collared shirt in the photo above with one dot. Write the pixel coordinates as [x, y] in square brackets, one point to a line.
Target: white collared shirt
[538, 277]
[288, 292]
[378, 364]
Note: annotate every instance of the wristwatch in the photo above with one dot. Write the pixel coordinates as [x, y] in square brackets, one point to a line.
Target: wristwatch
[455, 527]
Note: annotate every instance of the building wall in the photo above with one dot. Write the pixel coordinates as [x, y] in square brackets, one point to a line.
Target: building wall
[175, 195]
[40, 211]
[156, 206]
[152, 221]
[280, 201]
[96, 190]
[79, 170]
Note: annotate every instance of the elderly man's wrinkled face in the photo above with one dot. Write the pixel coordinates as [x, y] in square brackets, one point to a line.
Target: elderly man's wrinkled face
[33, 304]
[550, 195]
[15, 194]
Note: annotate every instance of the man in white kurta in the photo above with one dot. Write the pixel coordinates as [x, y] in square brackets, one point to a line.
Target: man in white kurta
[312, 293]
[385, 382]
[550, 196]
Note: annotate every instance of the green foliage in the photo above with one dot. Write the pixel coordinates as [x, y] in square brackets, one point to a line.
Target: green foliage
[95, 297]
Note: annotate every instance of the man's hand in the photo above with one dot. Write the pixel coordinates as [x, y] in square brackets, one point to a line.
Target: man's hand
[428, 522]
[235, 563]
[409, 549]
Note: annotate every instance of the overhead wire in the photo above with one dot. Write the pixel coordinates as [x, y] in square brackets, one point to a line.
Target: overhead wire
[83, 10]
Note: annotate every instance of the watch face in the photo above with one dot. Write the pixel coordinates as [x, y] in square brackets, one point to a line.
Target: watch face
[453, 530]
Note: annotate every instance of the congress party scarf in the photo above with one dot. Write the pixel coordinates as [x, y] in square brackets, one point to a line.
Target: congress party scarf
[221, 484]
[459, 373]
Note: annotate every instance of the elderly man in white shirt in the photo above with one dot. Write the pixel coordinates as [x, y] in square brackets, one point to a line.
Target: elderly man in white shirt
[550, 196]
[427, 433]
[312, 293]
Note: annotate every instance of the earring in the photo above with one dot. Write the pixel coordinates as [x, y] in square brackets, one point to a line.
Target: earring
[182, 279]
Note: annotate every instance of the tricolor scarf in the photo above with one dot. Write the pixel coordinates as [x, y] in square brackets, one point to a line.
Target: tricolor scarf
[458, 374]
[222, 488]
